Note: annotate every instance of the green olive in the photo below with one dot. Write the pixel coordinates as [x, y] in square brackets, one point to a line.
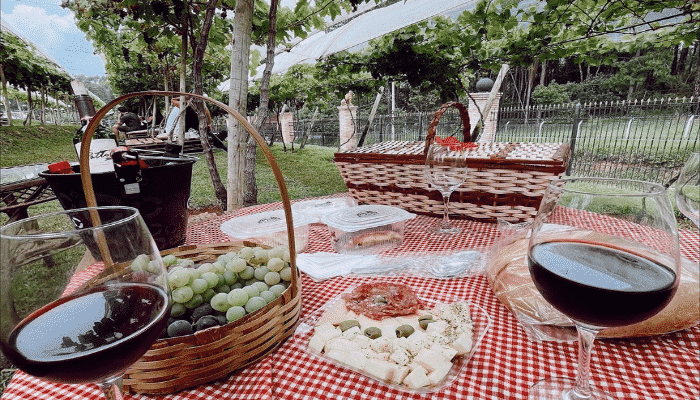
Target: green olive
[373, 332]
[424, 320]
[347, 324]
[404, 331]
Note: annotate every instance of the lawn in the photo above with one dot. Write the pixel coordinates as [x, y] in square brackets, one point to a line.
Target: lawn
[307, 172]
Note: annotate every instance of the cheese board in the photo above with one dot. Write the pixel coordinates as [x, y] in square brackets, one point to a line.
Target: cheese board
[422, 351]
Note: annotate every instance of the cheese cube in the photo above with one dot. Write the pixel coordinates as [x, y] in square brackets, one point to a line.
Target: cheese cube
[351, 333]
[447, 351]
[340, 343]
[438, 327]
[379, 368]
[439, 373]
[327, 331]
[400, 343]
[357, 359]
[417, 341]
[337, 355]
[382, 356]
[417, 378]
[380, 344]
[362, 340]
[389, 330]
[317, 343]
[463, 343]
[400, 374]
[400, 356]
[431, 360]
[436, 338]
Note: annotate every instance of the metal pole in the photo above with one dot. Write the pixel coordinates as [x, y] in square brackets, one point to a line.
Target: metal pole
[574, 133]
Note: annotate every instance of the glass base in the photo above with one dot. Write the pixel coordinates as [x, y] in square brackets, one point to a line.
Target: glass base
[444, 229]
[562, 389]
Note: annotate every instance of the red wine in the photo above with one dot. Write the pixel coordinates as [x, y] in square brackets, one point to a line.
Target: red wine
[91, 336]
[598, 285]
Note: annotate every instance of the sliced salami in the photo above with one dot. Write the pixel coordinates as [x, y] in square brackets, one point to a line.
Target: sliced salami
[382, 300]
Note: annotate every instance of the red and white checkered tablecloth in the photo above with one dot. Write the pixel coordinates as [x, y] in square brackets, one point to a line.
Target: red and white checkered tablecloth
[505, 364]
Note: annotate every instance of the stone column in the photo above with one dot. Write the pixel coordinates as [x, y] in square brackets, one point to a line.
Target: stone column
[347, 121]
[287, 125]
[488, 133]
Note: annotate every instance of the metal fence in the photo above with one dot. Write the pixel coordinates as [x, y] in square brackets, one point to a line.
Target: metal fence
[646, 139]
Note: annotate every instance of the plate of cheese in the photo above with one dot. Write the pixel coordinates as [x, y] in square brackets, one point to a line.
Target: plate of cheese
[388, 333]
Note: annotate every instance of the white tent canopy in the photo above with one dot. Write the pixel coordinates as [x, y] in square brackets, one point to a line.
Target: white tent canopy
[365, 26]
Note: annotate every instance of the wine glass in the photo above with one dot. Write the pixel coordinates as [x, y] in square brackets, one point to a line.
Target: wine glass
[84, 294]
[605, 253]
[444, 169]
[688, 189]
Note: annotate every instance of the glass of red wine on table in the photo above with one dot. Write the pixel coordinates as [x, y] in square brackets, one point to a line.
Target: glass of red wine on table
[68, 320]
[605, 253]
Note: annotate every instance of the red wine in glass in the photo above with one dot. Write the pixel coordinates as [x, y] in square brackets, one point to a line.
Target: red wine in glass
[598, 285]
[90, 336]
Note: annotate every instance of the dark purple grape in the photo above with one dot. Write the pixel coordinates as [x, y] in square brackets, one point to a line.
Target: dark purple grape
[180, 328]
[222, 319]
[199, 312]
[207, 321]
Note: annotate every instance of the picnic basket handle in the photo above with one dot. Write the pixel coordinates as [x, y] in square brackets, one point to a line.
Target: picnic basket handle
[95, 121]
[463, 113]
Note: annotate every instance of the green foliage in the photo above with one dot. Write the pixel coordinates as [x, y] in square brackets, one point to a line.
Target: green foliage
[551, 94]
[25, 68]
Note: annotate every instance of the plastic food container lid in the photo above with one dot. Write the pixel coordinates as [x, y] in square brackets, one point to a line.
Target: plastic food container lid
[262, 224]
[317, 208]
[357, 218]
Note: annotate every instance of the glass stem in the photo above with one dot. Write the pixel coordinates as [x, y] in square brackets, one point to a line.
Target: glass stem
[582, 387]
[446, 214]
[110, 389]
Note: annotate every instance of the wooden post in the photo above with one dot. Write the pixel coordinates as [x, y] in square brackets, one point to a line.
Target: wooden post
[489, 102]
[371, 116]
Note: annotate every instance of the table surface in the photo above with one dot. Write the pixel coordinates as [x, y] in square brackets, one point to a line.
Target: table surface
[503, 367]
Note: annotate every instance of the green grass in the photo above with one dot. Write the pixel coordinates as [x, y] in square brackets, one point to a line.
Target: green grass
[308, 172]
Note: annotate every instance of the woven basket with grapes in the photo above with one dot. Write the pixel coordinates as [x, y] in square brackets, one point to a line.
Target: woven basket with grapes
[233, 303]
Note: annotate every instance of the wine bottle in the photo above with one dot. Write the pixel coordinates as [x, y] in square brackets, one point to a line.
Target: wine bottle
[103, 139]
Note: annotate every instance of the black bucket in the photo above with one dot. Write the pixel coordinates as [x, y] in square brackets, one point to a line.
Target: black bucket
[162, 197]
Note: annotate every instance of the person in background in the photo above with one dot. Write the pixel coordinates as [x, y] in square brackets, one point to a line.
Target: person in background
[127, 122]
[191, 118]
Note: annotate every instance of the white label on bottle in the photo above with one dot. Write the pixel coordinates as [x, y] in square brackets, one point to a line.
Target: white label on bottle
[100, 159]
[132, 188]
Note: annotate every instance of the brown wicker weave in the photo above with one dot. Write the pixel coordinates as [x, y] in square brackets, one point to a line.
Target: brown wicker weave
[503, 180]
[174, 364]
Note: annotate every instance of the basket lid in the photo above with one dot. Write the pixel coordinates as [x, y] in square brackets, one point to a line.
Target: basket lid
[262, 224]
[317, 208]
[357, 218]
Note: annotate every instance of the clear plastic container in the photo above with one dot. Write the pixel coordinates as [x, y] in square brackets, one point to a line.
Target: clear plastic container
[270, 228]
[317, 208]
[367, 229]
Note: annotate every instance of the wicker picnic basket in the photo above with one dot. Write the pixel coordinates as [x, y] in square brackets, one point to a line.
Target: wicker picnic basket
[504, 181]
[174, 364]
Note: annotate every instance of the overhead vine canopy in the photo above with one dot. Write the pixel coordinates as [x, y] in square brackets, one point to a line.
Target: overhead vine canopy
[511, 31]
[26, 66]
